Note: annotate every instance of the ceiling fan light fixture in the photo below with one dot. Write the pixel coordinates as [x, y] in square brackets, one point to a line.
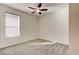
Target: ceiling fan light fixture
[38, 9]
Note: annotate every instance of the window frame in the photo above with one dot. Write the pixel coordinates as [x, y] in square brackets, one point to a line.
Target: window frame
[5, 25]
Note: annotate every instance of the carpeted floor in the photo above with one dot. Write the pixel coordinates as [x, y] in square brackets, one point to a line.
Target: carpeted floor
[31, 48]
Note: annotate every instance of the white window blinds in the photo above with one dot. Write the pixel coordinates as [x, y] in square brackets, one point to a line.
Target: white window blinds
[12, 25]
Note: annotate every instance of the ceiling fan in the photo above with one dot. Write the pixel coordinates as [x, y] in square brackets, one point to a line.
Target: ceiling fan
[38, 9]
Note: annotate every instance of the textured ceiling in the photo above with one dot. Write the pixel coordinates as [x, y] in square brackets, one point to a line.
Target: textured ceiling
[52, 7]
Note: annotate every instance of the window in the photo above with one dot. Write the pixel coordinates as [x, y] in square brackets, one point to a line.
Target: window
[12, 25]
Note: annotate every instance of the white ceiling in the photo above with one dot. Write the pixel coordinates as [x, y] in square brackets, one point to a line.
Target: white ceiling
[52, 7]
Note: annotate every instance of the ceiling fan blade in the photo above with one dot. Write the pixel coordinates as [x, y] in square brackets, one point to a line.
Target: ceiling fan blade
[31, 8]
[33, 12]
[40, 13]
[40, 4]
[43, 9]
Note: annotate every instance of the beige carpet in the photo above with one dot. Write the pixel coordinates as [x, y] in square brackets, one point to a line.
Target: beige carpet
[35, 49]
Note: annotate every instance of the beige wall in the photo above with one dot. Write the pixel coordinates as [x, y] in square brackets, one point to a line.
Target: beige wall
[55, 26]
[28, 27]
[74, 29]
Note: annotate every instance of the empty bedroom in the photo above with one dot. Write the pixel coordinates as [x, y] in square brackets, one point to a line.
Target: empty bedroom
[34, 28]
